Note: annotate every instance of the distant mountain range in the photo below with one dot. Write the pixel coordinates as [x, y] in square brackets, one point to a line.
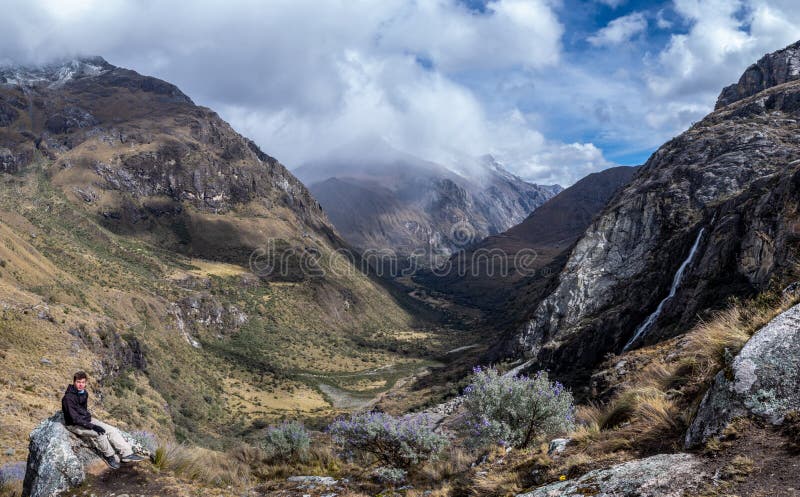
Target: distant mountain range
[381, 199]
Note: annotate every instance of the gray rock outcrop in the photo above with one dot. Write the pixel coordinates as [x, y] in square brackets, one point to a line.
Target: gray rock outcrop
[762, 381]
[771, 70]
[313, 480]
[664, 475]
[57, 458]
[736, 175]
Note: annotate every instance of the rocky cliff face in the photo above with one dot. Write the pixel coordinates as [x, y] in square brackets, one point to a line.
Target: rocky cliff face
[508, 273]
[385, 200]
[734, 175]
[772, 70]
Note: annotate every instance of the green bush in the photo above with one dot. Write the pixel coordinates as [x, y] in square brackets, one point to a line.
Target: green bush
[514, 410]
[11, 476]
[390, 475]
[288, 442]
[396, 442]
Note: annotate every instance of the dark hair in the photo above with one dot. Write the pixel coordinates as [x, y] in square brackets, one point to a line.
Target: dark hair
[80, 375]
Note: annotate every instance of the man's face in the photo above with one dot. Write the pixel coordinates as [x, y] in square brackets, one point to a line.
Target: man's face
[80, 384]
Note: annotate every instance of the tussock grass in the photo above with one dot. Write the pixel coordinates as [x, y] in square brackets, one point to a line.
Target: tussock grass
[321, 461]
[497, 484]
[658, 401]
[738, 469]
[727, 331]
[641, 410]
[203, 465]
[449, 465]
[11, 489]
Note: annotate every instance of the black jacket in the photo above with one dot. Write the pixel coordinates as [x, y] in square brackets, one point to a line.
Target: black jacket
[73, 405]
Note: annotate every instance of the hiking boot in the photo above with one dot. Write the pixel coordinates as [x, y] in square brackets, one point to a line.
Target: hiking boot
[132, 458]
[112, 461]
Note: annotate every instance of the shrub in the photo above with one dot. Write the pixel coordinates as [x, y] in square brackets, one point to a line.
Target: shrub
[288, 442]
[396, 442]
[146, 439]
[390, 475]
[514, 410]
[12, 472]
[11, 476]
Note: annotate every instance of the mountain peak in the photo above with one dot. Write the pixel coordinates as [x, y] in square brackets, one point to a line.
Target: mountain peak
[771, 70]
[54, 73]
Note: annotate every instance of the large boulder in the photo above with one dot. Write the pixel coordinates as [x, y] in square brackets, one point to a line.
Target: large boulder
[762, 381]
[57, 459]
[664, 475]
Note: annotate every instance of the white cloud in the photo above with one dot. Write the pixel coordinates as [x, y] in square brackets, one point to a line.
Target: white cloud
[532, 155]
[724, 38]
[634, 101]
[612, 3]
[413, 109]
[302, 76]
[619, 30]
[661, 21]
[511, 33]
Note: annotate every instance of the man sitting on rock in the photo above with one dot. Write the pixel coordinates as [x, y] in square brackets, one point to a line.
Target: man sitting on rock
[79, 421]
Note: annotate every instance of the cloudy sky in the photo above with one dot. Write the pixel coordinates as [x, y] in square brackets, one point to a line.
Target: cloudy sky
[554, 89]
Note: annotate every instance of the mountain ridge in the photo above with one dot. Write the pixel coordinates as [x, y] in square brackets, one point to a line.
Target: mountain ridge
[732, 173]
[193, 277]
[418, 208]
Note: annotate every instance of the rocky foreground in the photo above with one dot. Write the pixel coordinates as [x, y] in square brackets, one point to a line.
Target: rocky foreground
[742, 441]
[58, 460]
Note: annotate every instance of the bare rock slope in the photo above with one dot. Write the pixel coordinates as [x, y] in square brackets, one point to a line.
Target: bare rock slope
[733, 175]
[381, 199]
[506, 274]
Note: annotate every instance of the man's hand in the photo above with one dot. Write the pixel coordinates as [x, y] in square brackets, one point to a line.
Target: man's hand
[98, 429]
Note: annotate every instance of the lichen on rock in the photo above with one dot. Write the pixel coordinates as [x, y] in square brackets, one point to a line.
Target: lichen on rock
[763, 381]
[663, 475]
[57, 458]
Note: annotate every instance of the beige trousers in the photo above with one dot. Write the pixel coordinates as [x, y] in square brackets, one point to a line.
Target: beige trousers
[107, 442]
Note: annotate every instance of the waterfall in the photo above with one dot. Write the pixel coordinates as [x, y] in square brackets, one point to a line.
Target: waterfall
[641, 331]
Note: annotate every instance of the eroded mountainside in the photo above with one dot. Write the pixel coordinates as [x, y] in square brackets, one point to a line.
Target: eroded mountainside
[192, 275]
[381, 199]
[733, 175]
[506, 274]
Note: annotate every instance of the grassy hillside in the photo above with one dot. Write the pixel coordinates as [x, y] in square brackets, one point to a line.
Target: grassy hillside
[190, 274]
